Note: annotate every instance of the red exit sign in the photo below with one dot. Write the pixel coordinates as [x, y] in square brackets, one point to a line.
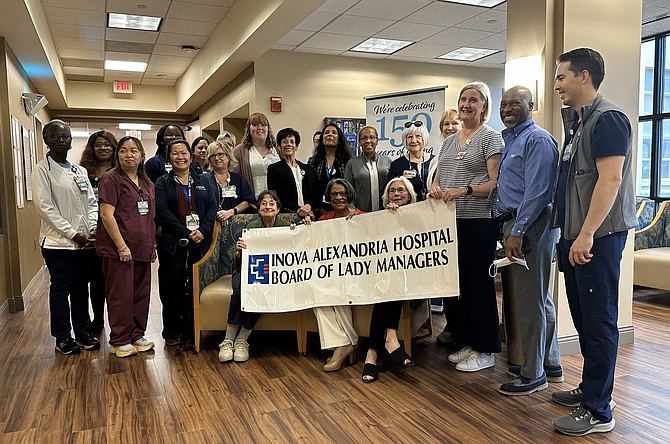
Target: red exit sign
[123, 87]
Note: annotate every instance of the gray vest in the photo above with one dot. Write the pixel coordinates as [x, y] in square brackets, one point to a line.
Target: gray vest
[582, 176]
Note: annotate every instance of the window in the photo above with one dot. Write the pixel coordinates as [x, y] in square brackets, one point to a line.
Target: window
[652, 175]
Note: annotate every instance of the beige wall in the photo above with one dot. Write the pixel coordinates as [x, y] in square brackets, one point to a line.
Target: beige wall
[315, 86]
[20, 258]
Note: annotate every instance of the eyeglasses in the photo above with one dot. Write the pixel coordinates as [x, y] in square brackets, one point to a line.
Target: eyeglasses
[397, 190]
[217, 156]
[417, 124]
[55, 137]
[102, 145]
[368, 139]
[339, 194]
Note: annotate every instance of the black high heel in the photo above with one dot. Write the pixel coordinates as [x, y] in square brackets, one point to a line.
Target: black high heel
[370, 370]
[398, 357]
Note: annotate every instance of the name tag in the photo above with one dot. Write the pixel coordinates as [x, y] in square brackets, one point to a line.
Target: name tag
[192, 221]
[567, 152]
[409, 174]
[168, 167]
[143, 207]
[81, 183]
[460, 155]
[229, 191]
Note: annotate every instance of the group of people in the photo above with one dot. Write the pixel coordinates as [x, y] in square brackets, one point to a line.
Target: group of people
[130, 212]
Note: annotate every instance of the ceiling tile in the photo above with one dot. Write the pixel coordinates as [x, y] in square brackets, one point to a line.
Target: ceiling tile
[188, 27]
[73, 43]
[496, 41]
[77, 31]
[458, 37]
[387, 9]
[226, 3]
[154, 8]
[67, 16]
[323, 40]
[127, 56]
[406, 58]
[165, 69]
[497, 58]
[81, 63]
[138, 48]
[87, 5]
[409, 31]
[316, 21]
[199, 13]
[134, 77]
[166, 38]
[365, 55]
[131, 35]
[318, 51]
[171, 60]
[83, 71]
[353, 25]
[337, 6]
[425, 50]
[498, 21]
[158, 82]
[166, 76]
[283, 47]
[444, 14]
[81, 53]
[295, 37]
[173, 50]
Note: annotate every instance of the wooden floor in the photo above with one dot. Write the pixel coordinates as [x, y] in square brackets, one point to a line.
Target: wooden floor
[280, 396]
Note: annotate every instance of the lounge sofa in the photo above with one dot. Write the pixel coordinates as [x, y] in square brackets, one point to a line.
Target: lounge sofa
[212, 289]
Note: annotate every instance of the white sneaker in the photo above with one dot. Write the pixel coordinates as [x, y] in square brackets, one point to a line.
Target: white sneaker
[460, 355]
[476, 361]
[123, 351]
[226, 351]
[143, 345]
[241, 353]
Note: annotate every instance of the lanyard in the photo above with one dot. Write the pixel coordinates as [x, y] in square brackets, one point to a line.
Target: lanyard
[186, 189]
[329, 171]
[423, 174]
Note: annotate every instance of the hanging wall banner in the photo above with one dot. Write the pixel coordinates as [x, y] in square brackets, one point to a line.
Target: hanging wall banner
[381, 256]
[388, 113]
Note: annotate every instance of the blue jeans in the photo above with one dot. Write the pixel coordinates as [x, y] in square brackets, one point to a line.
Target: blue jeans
[68, 293]
[593, 297]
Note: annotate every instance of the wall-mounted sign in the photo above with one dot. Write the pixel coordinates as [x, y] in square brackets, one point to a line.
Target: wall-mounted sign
[275, 104]
[123, 87]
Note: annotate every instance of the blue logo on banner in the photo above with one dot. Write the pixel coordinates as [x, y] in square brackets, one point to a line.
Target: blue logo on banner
[259, 269]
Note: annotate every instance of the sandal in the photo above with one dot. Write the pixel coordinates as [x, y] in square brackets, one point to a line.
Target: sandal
[370, 370]
[398, 357]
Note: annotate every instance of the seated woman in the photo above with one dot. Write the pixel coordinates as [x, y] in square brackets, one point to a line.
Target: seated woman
[336, 328]
[185, 210]
[295, 182]
[235, 346]
[233, 192]
[386, 315]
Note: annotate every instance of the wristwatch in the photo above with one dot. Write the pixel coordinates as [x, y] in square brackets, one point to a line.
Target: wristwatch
[468, 189]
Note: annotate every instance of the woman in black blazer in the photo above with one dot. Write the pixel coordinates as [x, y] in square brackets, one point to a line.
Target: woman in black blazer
[294, 182]
[185, 210]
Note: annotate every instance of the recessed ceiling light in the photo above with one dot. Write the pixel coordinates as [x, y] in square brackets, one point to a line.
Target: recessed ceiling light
[126, 21]
[381, 46]
[135, 126]
[118, 65]
[467, 54]
[189, 48]
[484, 3]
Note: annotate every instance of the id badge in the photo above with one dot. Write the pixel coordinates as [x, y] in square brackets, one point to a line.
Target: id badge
[143, 207]
[409, 174]
[567, 152]
[168, 167]
[192, 222]
[229, 191]
[81, 183]
[460, 155]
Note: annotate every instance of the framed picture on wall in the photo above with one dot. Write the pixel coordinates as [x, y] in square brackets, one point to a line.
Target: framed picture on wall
[27, 161]
[17, 157]
[349, 127]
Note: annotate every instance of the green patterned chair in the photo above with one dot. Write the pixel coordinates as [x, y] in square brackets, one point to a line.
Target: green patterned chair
[652, 251]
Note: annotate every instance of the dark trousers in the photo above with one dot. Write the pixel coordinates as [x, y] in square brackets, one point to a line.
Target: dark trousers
[128, 286]
[97, 287]
[235, 314]
[384, 315]
[475, 311]
[593, 297]
[68, 293]
[175, 294]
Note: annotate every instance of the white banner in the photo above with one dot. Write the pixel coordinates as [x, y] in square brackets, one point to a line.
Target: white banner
[381, 256]
[389, 112]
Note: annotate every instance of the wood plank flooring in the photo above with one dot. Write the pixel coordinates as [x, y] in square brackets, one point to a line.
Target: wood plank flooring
[280, 396]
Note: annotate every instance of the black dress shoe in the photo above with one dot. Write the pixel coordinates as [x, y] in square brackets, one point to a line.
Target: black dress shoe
[67, 347]
[87, 342]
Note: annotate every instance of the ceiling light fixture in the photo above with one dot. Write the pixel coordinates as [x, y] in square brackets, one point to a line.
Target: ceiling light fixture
[135, 126]
[381, 46]
[467, 54]
[483, 3]
[119, 65]
[189, 48]
[139, 22]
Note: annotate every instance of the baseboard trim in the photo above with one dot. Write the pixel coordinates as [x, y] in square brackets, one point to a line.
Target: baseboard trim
[569, 344]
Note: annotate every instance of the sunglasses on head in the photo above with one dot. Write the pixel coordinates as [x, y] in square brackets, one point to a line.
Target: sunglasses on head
[418, 123]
